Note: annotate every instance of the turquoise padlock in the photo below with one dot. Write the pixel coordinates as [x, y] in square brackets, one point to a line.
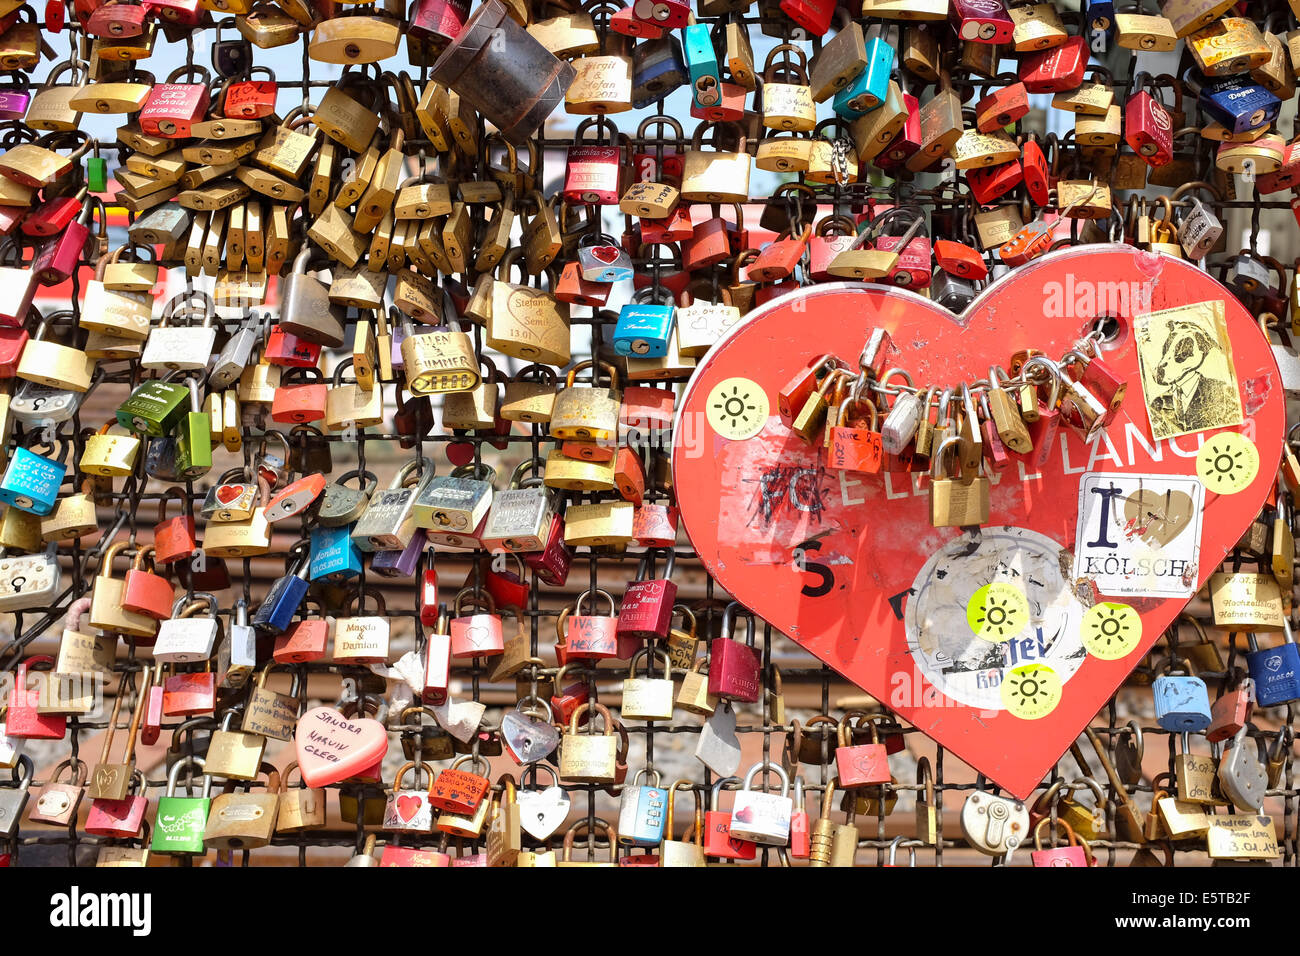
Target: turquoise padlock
[643, 328]
[31, 481]
[870, 88]
[334, 557]
[702, 63]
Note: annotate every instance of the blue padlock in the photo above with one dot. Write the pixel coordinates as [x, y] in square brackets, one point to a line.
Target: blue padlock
[702, 64]
[870, 87]
[658, 68]
[333, 555]
[643, 328]
[31, 481]
[641, 812]
[1182, 703]
[281, 603]
[1275, 670]
[1101, 17]
[161, 459]
[1235, 101]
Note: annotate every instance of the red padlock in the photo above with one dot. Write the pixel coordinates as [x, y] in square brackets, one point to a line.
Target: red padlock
[665, 14]
[646, 409]
[589, 637]
[12, 343]
[710, 240]
[594, 174]
[1148, 128]
[623, 21]
[675, 227]
[718, 841]
[54, 215]
[429, 610]
[441, 21]
[1037, 174]
[151, 721]
[989, 183]
[1056, 70]
[299, 402]
[117, 21]
[654, 525]
[651, 272]
[959, 259]
[22, 720]
[146, 592]
[733, 666]
[476, 635]
[779, 258]
[568, 698]
[1075, 853]
[59, 256]
[437, 663]
[647, 608]
[190, 693]
[832, 236]
[551, 564]
[575, 290]
[860, 765]
[506, 587]
[629, 475]
[730, 106]
[1232, 708]
[800, 828]
[460, 791]
[185, 13]
[119, 819]
[1003, 106]
[906, 142]
[302, 641]
[172, 107]
[981, 21]
[250, 99]
[855, 443]
[285, 348]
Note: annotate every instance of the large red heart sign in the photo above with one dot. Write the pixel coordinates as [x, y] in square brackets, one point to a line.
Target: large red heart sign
[1000, 643]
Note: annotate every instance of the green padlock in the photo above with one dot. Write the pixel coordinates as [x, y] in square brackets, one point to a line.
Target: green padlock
[181, 821]
[154, 408]
[96, 174]
[194, 439]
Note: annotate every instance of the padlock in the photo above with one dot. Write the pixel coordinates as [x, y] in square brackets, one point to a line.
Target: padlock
[145, 592]
[589, 757]
[241, 821]
[863, 764]
[761, 817]
[1182, 703]
[1075, 853]
[1274, 671]
[363, 639]
[994, 825]
[476, 635]
[171, 346]
[648, 698]
[107, 612]
[733, 666]
[589, 636]
[1243, 773]
[388, 521]
[57, 803]
[647, 607]
[180, 821]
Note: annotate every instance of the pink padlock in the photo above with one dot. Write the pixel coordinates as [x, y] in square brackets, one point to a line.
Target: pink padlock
[476, 635]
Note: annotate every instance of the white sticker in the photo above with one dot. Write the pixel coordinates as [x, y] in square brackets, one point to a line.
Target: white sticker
[1139, 534]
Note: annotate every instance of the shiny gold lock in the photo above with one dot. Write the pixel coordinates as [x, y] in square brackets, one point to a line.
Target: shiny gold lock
[1138, 31]
[1246, 602]
[1229, 46]
[587, 412]
[1092, 129]
[112, 455]
[355, 39]
[601, 524]
[875, 130]
[476, 408]
[437, 362]
[1038, 26]
[715, 175]
[577, 474]
[603, 85]
[788, 102]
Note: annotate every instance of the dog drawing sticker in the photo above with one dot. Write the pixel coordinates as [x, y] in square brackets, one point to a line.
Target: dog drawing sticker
[1185, 363]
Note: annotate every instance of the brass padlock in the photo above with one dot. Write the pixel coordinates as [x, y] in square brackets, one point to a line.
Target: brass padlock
[587, 412]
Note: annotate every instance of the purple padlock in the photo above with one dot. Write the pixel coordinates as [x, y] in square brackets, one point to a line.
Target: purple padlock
[13, 104]
[400, 564]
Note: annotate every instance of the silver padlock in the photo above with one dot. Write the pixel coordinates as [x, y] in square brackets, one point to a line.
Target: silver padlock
[952, 292]
[520, 517]
[14, 799]
[451, 508]
[183, 639]
[186, 347]
[994, 825]
[388, 523]
[602, 259]
[904, 417]
[1199, 230]
[237, 353]
[29, 580]
[35, 403]
[1243, 772]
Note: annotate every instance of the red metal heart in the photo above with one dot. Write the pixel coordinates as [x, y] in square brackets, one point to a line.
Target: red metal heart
[228, 493]
[604, 253]
[868, 558]
[408, 807]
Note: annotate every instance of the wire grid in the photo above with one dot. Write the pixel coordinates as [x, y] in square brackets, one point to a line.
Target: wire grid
[601, 570]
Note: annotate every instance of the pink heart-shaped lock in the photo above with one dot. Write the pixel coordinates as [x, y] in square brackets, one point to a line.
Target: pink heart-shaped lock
[332, 747]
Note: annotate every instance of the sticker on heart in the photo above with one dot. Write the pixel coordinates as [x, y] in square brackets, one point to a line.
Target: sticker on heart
[849, 566]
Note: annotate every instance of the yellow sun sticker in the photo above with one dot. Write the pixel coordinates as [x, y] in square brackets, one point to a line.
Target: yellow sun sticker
[1227, 463]
[737, 408]
[997, 612]
[1031, 691]
[1111, 630]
